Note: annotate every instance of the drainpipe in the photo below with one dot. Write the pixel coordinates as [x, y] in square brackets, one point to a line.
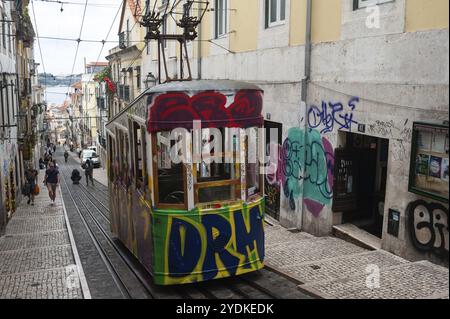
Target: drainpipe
[307, 51]
[305, 81]
[199, 53]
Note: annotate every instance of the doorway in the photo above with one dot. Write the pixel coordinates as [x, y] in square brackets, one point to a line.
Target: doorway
[360, 181]
[272, 186]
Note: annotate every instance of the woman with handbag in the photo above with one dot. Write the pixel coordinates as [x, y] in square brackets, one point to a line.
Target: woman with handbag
[31, 176]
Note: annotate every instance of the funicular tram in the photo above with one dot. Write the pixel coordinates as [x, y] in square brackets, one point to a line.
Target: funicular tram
[177, 201]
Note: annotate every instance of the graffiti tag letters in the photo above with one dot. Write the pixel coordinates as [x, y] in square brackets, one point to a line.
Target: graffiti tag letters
[428, 226]
[331, 115]
[215, 244]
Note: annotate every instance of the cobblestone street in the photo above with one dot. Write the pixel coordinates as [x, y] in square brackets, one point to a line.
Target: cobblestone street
[37, 259]
[332, 268]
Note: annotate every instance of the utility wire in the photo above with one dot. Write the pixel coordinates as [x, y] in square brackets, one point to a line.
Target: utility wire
[106, 38]
[40, 50]
[101, 5]
[78, 46]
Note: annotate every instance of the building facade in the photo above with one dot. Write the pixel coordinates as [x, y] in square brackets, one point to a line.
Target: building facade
[125, 59]
[17, 116]
[356, 96]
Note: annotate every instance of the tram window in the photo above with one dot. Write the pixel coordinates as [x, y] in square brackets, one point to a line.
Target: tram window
[219, 193]
[216, 179]
[123, 152]
[171, 184]
[138, 158]
[111, 158]
[144, 156]
[251, 159]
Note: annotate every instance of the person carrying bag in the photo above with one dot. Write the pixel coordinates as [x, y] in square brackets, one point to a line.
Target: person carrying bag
[31, 176]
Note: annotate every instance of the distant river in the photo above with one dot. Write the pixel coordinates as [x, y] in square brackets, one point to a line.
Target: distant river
[56, 94]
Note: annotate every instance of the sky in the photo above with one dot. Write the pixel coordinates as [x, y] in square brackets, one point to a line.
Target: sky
[59, 55]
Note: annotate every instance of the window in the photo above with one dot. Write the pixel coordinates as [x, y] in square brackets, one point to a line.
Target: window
[4, 31]
[358, 4]
[253, 177]
[164, 30]
[9, 38]
[216, 179]
[221, 17]
[275, 12]
[138, 77]
[139, 157]
[429, 171]
[169, 177]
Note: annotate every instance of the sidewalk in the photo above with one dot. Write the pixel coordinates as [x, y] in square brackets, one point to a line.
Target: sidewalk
[38, 258]
[332, 268]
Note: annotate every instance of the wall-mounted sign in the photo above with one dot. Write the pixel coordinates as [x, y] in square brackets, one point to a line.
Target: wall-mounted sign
[362, 128]
[429, 171]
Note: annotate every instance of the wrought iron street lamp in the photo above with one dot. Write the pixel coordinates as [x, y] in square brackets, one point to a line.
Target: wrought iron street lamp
[150, 81]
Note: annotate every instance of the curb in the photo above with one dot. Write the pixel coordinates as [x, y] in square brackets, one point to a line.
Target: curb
[84, 285]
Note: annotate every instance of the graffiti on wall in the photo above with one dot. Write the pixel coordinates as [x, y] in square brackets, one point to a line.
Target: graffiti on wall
[209, 246]
[428, 227]
[333, 115]
[315, 182]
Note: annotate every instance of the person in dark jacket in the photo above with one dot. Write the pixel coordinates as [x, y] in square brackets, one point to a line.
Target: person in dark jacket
[52, 179]
[88, 170]
[31, 177]
[76, 177]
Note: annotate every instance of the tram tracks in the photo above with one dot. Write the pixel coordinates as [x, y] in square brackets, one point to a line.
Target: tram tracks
[130, 277]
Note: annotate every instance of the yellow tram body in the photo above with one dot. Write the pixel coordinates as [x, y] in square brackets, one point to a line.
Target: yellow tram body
[189, 216]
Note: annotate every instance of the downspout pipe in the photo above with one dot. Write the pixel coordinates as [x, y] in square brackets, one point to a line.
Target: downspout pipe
[308, 47]
[304, 93]
[199, 53]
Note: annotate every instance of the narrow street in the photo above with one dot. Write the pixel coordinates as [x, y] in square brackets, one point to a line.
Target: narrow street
[224, 151]
[41, 264]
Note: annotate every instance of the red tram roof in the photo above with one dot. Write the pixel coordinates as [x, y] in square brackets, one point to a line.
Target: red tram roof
[216, 104]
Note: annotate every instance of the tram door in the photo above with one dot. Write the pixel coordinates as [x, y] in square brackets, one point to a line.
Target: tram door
[272, 185]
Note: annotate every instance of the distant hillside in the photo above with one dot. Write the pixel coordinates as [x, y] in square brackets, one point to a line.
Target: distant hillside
[49, 79]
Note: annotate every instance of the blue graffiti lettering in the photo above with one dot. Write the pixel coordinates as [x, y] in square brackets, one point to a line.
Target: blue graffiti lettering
[217, 244]
[331, 115]
[183, 254]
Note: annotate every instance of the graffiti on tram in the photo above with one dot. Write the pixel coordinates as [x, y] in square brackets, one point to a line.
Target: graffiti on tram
[211, 246]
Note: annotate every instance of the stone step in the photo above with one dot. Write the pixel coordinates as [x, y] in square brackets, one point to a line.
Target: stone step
[357, 236]
[418, 280]
[341, 267]
[308, 250]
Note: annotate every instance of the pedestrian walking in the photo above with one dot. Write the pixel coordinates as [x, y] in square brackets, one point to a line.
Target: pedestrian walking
[66, 155]
[88, 170]
[31, 176]
[52, 179]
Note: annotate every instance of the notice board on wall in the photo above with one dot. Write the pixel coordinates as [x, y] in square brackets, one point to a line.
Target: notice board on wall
[429, 171]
